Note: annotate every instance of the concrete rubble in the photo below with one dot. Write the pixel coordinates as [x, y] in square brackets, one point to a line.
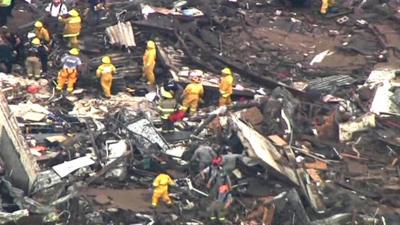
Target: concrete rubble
[312, 137]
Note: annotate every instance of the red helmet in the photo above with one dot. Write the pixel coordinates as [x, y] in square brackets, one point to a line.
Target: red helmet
[217, 161]
[224, 188]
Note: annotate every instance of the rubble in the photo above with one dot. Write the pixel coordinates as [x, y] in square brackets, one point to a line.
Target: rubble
[312, 136]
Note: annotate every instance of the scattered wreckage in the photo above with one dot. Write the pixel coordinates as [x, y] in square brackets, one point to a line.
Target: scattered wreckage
[306, 151]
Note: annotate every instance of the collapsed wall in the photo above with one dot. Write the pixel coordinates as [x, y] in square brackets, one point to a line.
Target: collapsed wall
[20, 168]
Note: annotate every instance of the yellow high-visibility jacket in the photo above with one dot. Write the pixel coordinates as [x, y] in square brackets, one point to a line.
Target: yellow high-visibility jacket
[226, 86]
[162, 182]
[43, 34]
[72, 26]
[106, 69]
[149, 58]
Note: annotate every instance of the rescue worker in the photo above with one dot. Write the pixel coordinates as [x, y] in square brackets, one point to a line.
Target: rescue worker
[72, 28]
[204, 155]
[221, 204]
[149, 62]
[55, 10]
[95, 6]
[16, 43]
[33, 64]
[41, 52]
[167, 106]
[226, 87]
[218, 179]
[161, 185]
[212, 170]
[325, 5]
[192, 95]
[4, 11]
[105, 72]
[69, 72]
[42, 33]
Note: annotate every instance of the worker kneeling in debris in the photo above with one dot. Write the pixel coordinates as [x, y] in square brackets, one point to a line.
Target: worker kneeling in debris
[220, 205]
[149, 62]
[226, 87]
[326, 4]
[72, 28]
[42, 33]
[106, 72]
[161, 185]
[204, 155]
[36, 61]
[192, 95]
[167, 106]
[69, 72]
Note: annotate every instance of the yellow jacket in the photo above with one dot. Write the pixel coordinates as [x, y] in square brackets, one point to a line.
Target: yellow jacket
[226, 86]
[162, 182]
[43, 34]
[194, 89]
[72, 26]
[149, 57]
[105, 69]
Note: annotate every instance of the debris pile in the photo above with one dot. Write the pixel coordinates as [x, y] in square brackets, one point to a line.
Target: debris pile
[312, 136]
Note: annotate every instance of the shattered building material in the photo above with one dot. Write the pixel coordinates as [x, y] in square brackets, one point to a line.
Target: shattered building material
[364, 122]
[258, 146]
[22, 169]
[296, 98]
[121, 34]
[68, 167]
[381, 80]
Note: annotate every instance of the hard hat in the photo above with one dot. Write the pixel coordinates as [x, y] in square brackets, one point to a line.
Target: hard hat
[224, 188]
[74, 51]
[73, 13]
[166, 94]
[217, 161]
[36, 41]
[38, 24]
[226, 71]
[106, 60]
[151, 44]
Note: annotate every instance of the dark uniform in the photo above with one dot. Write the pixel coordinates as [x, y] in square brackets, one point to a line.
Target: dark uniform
[6, 57]
[94, 8]
[17, 45]
[167, 106]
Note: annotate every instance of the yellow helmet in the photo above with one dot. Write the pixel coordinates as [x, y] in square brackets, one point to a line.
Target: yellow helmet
[166, 94]
[74, 51]
[36, 41]
[151, 44]
[38, 24]
[226, 71]
[73, 13]
[106, 60]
